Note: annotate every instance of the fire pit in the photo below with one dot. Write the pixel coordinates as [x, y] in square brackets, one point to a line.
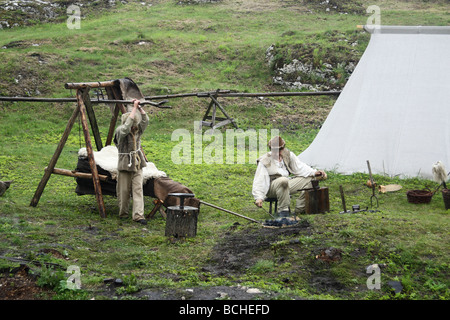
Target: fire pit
[280, 222]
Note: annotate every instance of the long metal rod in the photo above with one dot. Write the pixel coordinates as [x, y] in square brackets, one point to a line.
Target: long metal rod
[228, 211]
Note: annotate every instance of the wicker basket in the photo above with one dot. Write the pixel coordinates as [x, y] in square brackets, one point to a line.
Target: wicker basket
[446, 196]
[419, 196]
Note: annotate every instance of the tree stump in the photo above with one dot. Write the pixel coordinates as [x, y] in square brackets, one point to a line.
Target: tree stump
[181, 223]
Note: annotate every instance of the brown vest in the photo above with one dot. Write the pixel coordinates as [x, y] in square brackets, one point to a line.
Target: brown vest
[270, 165]
[131, 157]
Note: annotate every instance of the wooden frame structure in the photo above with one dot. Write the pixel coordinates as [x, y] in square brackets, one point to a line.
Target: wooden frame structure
[213, 105]
[85, 110]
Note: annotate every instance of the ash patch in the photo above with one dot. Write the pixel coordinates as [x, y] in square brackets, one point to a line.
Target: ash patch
[241, 249]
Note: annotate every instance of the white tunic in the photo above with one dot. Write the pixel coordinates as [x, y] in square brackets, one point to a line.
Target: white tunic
[261, 182]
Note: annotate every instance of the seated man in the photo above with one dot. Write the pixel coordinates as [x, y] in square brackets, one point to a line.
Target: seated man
[272, 178]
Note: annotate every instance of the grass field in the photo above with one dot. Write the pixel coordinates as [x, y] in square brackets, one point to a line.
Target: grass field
[172, 48]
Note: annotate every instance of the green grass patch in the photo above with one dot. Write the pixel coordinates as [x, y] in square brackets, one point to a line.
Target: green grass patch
[171, 48]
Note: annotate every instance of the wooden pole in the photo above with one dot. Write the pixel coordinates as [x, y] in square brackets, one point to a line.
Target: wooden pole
[228, 93]
[51, 165]
[92, 120]
[279, 94]
[87, 138]
[76, 174]
[112, 125]
[82, 85]
[224, 94]
[33, 99]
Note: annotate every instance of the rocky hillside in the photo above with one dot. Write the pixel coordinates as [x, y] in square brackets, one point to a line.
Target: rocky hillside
[14, 13]
[319, 63]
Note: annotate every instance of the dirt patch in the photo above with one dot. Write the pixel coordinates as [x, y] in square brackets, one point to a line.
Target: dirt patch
[238, 251]
[19, 284]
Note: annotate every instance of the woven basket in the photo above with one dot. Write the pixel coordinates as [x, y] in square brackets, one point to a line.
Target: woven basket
[446, 196]
[419, 196]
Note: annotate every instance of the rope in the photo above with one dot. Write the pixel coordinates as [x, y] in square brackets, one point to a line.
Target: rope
[131, 153]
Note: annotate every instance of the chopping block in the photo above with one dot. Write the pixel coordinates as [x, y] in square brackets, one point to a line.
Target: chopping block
[317, 199]
[181, 221]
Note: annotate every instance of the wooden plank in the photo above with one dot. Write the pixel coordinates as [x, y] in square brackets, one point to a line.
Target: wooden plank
[54, 159]
[90, 152]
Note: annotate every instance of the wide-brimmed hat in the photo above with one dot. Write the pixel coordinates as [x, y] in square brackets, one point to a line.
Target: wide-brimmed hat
[276, 143]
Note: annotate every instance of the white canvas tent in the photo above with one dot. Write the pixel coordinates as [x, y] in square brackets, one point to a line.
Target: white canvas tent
[394, 110]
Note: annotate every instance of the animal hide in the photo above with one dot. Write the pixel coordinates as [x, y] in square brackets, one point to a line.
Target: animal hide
[164, 185]
[439, 173]
[156, 183]
[127, 89]
[107, 159]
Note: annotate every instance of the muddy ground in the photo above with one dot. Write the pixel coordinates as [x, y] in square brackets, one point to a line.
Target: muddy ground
[234, 255]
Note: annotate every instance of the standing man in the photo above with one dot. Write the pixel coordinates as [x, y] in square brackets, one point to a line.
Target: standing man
[131, 161]
[272, 178]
